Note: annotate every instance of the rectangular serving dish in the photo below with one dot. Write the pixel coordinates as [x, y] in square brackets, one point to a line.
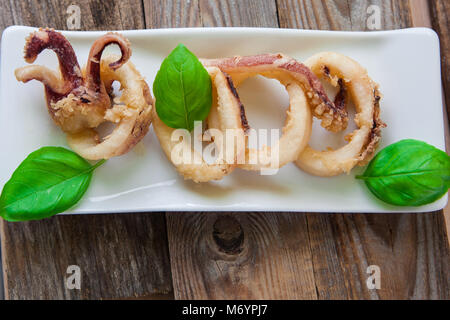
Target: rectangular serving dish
[405, 63]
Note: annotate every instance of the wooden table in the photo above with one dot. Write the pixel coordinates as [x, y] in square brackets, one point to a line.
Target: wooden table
[226, 255]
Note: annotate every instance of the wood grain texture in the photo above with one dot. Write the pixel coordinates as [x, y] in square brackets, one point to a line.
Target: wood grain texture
[420, 13]
[440, 11]
[240, 256]
[341, 14]
[172, 14]
[311, 256]
[6, 15]
[238, 13]
[95, 14]
[120, 256]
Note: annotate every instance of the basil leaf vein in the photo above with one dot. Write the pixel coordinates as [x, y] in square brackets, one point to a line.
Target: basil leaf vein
[49, 181]
[408, 173]
[182, 89]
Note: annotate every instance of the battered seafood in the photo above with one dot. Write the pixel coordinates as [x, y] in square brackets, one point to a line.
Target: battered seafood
[339, 71]
[79, 101]
[227, 114]
[298, 124]
[284, 68]
[346, 73]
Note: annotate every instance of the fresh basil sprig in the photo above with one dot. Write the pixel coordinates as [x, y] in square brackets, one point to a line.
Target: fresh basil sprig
[182, 89]
[49, 181]
[408, 173]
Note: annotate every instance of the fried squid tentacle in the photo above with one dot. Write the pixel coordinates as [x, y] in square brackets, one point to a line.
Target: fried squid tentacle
[353, 80]
[334, 117]
[74, 101]
[80, 101]
[68, 63]
[93, 80]
[131, 113]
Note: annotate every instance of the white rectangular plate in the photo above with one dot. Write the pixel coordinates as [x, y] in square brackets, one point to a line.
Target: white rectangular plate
[404, 62]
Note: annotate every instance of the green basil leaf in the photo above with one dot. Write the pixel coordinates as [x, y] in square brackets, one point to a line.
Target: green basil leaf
[49, 181]
[182, 89]
[408, 173]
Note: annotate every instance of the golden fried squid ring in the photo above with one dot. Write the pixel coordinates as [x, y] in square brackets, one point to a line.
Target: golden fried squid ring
[297, 79]
[230, 115]
[78, 102]
[279, 66]
[346, 73]
[295, 133]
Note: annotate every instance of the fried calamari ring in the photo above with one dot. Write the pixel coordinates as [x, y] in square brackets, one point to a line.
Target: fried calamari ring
[78, 101]
[352, 78]
[131, 113]
[297, 78]
[231, 116]
[279, 66]
[295, 133]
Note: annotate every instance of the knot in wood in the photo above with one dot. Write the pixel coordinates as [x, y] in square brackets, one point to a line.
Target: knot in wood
[228, 235]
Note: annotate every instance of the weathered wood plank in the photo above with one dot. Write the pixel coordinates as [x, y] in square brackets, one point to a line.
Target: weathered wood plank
[95, 14]
[240, 256]
[238, 13]
[396, 243]
[172, 14]
[341, 15]
[420, 13]
[120, 256]
[404, 246]
[6, 16]
[440, 11]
